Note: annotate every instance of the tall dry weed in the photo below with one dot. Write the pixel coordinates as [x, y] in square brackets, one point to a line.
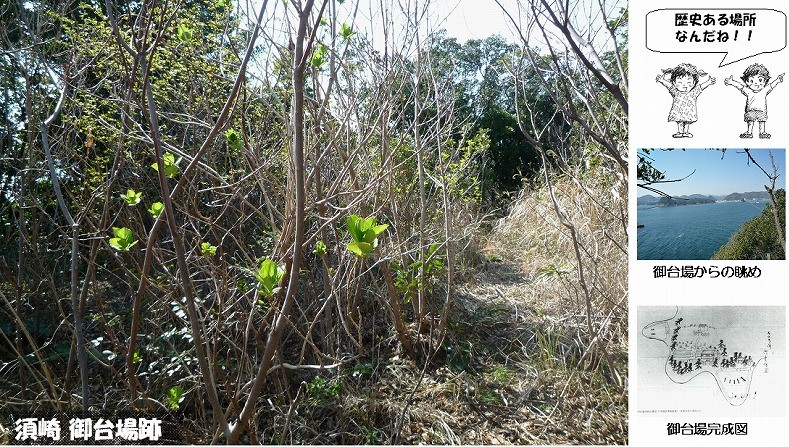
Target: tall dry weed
[533, 237]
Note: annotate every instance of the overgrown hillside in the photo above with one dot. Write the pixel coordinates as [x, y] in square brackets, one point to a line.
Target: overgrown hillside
[273, 228]
[759, 238]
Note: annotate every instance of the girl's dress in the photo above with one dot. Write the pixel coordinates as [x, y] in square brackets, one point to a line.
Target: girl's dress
[683, 109]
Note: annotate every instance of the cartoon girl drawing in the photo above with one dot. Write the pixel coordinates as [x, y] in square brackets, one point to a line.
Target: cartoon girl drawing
[683, 84]
[756, 78]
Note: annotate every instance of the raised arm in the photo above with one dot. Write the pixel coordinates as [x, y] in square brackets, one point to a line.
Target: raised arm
[776, 81]
[662, 80]
[734, 83]
[707, 82]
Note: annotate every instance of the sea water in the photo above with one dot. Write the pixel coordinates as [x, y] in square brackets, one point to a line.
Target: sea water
[690, 231]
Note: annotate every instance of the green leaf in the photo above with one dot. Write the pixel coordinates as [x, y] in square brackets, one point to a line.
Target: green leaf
[242, 285]
[457, 358]
[353, 228]
[123, 240]
[362, 370]
[207, 249]
[175, 396]
[432, 249]
[269, 275]
[320, 388]
[360, 249]
[185, 34]
[156, 209]
[320, 248]
[170, 165]
[553, 270]
[131, 197]
[364, 232]
[234, 141]
[123, 233]
[136, 357]
[346, 31]
[319, 56]
[365, 224]
[378, 229]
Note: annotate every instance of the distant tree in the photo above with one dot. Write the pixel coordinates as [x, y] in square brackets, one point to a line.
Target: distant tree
[481, 81]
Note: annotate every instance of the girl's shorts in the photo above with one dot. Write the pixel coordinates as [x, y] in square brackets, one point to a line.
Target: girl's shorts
[755, 115]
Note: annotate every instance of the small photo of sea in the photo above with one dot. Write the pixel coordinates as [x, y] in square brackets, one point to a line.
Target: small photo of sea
[698, 204]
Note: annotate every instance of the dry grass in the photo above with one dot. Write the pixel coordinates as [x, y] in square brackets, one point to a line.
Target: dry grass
[533, 237]
[518, 367]
[511, 376]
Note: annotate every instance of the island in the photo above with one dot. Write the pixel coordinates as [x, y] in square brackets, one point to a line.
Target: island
[683, 200]
[697, 199]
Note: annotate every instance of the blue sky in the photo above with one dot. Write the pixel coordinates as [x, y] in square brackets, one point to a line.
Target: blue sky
[715, 175]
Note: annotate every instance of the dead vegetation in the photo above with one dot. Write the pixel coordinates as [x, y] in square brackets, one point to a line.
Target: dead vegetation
[518, 365]
[300, 255]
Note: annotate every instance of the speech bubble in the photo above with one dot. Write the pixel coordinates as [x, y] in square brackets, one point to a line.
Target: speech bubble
[707, 30]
